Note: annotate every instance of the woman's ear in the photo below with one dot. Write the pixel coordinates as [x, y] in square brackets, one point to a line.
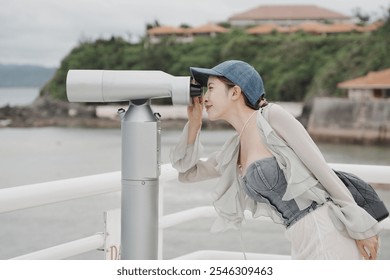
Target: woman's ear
[236, 92]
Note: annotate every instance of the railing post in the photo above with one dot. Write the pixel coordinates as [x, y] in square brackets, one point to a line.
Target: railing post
[141, 134]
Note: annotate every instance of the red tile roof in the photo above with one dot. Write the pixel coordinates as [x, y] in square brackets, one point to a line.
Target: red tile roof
[263, 29]
[208, 28]
[269, 28]
[312, 27]
[339, 28]
[165, 30]
[378, 79]
[169, 30]
[288, 12]
[371, 27]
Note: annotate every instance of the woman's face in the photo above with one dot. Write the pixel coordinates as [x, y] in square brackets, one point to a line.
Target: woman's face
[216, 99]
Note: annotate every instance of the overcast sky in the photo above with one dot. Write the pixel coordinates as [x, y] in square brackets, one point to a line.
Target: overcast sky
[44, 31]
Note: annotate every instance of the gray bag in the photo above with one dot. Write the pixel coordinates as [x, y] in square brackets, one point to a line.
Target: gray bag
[364, 195]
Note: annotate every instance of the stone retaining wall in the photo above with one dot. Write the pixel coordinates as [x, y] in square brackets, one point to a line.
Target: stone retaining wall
[344, 120]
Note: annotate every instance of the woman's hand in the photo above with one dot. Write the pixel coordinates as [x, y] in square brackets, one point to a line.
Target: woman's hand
[368, 247]
[195, 113]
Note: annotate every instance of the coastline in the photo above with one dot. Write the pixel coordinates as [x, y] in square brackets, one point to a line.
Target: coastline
[45, 111]
[332, 123]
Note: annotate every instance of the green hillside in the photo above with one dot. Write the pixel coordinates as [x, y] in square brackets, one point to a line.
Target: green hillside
[293, 66]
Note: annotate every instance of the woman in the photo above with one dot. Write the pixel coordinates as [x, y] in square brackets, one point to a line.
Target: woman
[271, 167]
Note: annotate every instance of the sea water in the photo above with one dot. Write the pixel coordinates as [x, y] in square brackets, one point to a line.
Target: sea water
[18, 96]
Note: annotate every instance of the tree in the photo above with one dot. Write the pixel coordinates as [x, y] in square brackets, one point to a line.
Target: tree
[152, 25]
[362, 17]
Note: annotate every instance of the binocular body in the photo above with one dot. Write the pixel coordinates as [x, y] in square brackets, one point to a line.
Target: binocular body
[125, 85]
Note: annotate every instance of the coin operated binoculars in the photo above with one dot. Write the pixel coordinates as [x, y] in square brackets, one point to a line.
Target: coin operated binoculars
[141, 143]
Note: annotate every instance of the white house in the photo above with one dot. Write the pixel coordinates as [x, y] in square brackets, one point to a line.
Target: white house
[373, 85]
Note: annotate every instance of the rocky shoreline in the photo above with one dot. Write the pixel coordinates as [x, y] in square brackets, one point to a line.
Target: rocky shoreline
[323, 125]
[46, 111]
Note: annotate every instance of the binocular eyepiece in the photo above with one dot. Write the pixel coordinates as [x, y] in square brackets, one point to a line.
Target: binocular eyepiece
[126, 85]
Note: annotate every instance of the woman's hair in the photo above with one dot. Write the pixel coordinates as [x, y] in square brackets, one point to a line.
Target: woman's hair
[259, 104]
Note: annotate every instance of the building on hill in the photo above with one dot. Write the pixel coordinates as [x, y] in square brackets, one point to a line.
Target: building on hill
[370, 27]
[373, 85]
[156, 34]
[184, 35]
[269, 28]
[313, 27]
[363, 117]
[286, 15]
[209, 29]
[269, 19]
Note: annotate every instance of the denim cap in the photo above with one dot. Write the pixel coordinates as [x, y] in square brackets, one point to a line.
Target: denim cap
[238, 72]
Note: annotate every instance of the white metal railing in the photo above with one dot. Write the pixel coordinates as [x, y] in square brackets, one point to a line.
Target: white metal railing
[23, 197]
[66, 250]
[27, 196]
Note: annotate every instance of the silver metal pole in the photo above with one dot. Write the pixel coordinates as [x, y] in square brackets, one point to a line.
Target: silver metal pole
[141, 144]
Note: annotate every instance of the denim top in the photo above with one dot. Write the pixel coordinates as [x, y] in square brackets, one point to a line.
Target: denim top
[265, 182]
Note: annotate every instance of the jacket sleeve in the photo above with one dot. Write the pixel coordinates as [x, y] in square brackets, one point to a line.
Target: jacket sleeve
[358, 222]
[186, 160]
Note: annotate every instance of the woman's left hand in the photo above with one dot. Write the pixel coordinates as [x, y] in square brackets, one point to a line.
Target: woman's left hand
[368, 247]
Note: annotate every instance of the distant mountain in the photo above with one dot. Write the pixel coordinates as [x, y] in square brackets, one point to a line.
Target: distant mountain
[24, 75]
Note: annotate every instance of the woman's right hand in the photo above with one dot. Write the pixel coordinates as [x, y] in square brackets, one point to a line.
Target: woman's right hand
[194, 113]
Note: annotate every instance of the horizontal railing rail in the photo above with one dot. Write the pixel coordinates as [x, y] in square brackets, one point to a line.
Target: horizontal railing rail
[34, 195]
[66, 250]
